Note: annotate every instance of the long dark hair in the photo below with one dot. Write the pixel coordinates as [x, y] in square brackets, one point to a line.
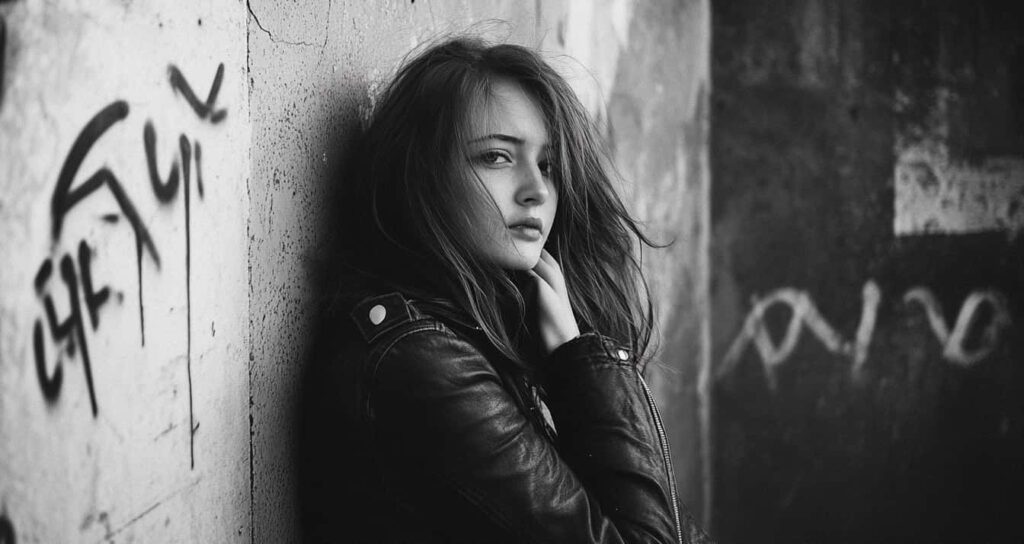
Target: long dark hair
[401, 200]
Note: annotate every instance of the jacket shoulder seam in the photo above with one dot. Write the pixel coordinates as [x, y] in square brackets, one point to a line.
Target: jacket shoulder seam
[424, 325]
[403, 331]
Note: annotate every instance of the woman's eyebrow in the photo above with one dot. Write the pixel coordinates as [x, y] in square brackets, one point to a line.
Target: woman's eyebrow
[502, 137]
[506, 138]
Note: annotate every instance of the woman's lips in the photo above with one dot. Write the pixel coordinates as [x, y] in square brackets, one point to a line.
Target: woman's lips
[530, 229]
[524, 232]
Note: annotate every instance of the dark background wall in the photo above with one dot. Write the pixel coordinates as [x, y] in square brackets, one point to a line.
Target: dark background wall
[867, 271]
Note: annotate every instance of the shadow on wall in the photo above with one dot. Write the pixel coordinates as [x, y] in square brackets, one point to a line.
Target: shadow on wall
[322, 458]
[7, 535]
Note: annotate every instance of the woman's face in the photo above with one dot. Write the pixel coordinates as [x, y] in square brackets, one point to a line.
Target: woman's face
[510, 154]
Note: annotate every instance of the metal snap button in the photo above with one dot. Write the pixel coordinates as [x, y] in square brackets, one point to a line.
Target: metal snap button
[377, 314]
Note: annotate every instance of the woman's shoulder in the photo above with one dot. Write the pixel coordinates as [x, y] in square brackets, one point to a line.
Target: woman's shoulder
[416, 348]
[377, 317]
[393, 323]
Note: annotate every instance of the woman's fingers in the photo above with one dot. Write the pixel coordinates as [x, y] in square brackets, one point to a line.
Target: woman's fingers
[546, 256]
[551, 271]
[557, 322]
[550, 260]
[546, 272]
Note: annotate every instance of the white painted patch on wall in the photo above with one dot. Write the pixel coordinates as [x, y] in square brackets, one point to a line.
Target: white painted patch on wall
[934, 194]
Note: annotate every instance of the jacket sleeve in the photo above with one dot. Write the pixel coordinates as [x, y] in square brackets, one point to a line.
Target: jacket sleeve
[455, 449]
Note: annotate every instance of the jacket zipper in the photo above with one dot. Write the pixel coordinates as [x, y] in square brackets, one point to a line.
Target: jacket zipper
[665, 455]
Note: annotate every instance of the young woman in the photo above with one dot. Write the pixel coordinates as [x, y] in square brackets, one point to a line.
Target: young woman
[481, 376]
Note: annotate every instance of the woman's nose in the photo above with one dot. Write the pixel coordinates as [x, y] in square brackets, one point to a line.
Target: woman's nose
[533, 187]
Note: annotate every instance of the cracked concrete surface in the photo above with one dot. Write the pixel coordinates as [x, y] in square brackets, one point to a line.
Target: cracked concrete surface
[279, 40]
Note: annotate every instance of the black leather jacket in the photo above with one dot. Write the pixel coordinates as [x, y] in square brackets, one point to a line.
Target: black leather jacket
[422, 432]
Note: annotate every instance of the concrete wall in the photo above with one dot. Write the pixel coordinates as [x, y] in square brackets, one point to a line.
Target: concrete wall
[124, 332]
[166, 174]
[658, 124]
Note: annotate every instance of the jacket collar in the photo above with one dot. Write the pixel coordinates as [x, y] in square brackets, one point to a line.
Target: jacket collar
[444, 309]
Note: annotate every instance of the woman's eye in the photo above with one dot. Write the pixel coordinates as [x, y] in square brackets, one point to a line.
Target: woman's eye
[494, 158]
[546, 168]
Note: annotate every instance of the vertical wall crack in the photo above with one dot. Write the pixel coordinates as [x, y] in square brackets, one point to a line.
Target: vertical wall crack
[275, 39]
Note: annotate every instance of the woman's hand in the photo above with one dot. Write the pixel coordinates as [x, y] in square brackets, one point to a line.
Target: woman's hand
[557, 322]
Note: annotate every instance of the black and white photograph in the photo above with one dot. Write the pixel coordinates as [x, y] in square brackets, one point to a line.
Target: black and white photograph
[500, 271]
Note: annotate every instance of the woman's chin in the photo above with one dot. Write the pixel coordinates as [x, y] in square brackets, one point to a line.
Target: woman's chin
[521, 261]
[518, 255]
[520, 265]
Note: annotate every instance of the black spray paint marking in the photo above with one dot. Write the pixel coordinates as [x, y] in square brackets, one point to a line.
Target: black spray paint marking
[50, 385]
[199, 169]
[164, 191]
[43, 275]
[138, 272]
[203, 110]
[67, 272]
[61, 330]
[65, 198]
[6, 531]
[183, 143]
[72, 329]
[93, 299]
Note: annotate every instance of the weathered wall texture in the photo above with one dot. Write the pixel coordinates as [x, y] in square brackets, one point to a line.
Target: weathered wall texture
[641, 67]
[869, 286]
[657, 120]
[124, 309]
